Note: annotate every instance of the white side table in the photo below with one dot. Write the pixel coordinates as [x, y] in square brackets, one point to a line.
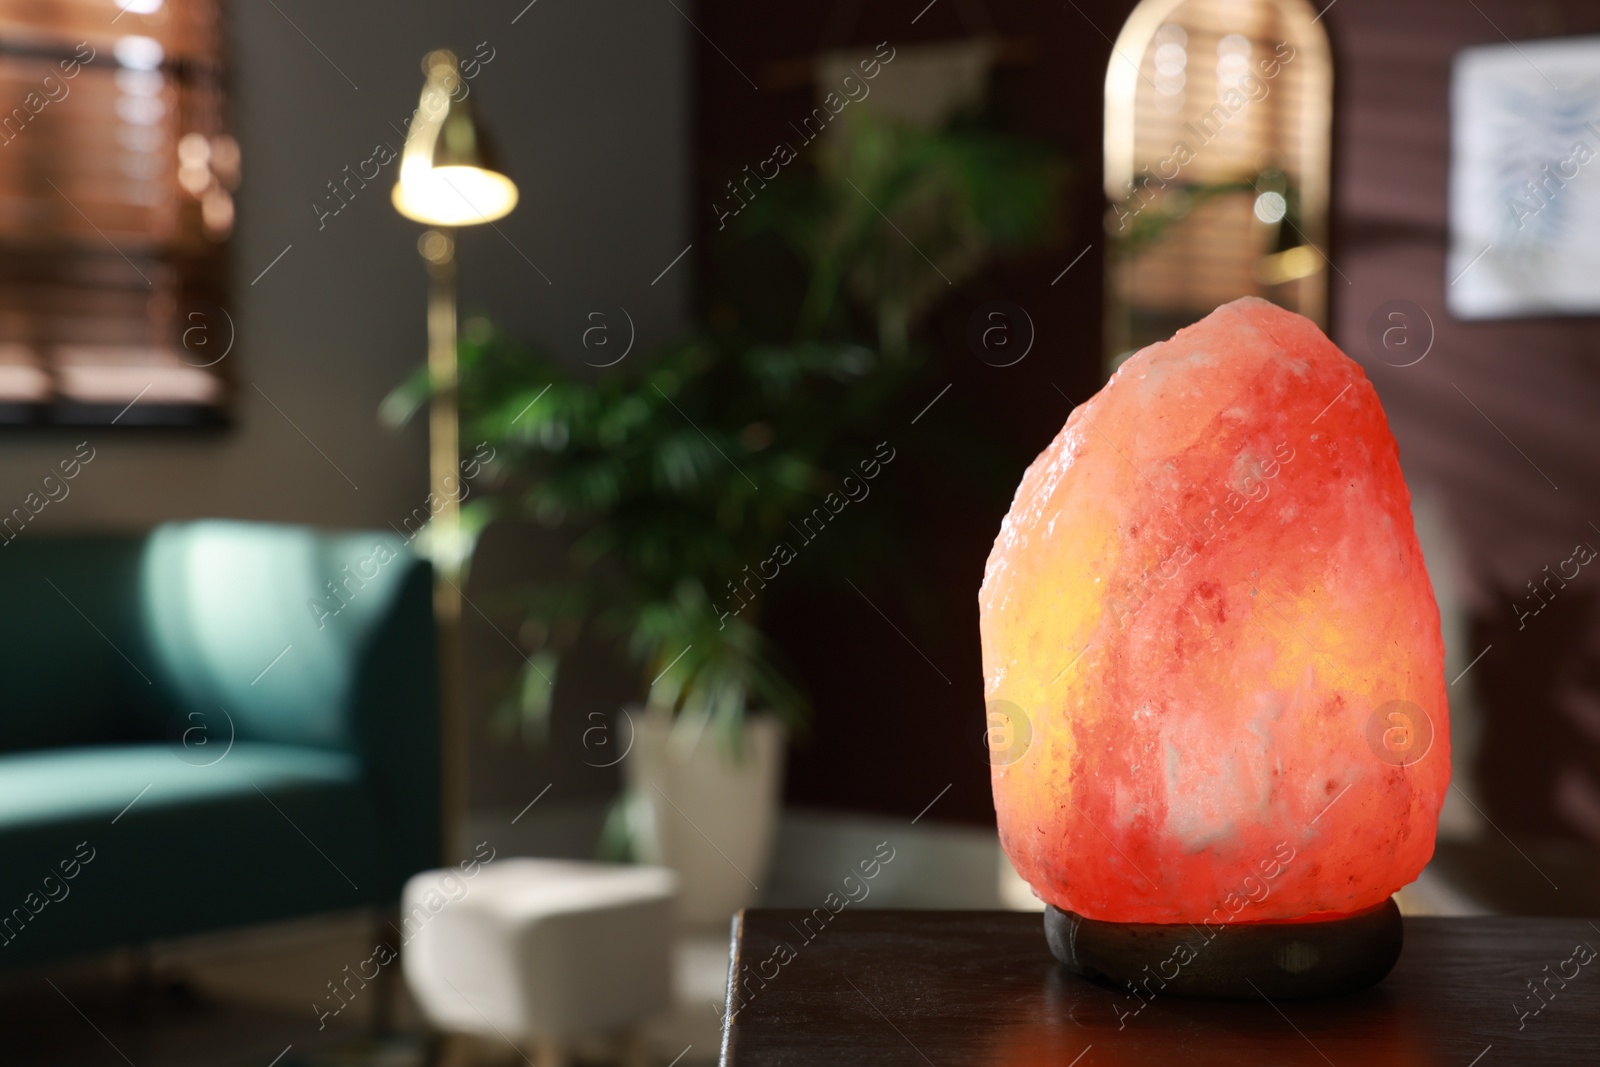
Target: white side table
[539, 951]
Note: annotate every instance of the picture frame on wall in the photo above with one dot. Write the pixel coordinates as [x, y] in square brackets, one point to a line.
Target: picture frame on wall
[1525, 180]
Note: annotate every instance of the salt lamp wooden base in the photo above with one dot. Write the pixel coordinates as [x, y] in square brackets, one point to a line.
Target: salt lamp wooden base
[1277, 960]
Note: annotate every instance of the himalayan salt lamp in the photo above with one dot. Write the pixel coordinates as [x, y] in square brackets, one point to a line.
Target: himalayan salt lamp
[1207, 613]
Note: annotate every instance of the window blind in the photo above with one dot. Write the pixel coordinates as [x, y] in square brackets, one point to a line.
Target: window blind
[116, 204]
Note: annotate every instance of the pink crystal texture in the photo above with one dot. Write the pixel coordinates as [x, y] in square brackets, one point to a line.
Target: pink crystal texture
[1211, 651]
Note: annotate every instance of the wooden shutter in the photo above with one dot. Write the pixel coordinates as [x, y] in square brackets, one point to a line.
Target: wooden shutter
[116, 183]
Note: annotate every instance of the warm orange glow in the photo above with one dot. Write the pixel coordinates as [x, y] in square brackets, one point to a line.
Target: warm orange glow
[1208, 603]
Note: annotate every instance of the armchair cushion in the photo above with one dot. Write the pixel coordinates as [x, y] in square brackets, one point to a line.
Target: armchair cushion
[98, 782]
[237, 721]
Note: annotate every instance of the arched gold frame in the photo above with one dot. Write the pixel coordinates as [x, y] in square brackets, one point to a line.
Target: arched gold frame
[1306, 34]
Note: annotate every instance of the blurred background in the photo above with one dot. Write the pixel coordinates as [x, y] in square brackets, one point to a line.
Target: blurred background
[789, 298]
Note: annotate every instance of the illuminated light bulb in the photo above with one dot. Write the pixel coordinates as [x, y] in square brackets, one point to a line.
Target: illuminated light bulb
[454, 196]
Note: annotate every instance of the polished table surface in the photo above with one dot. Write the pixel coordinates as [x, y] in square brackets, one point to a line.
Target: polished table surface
[978, 987]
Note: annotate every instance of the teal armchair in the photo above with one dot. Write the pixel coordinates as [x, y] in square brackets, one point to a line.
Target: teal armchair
[213, 724]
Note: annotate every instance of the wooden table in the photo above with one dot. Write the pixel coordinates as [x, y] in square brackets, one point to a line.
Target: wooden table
[962, 988]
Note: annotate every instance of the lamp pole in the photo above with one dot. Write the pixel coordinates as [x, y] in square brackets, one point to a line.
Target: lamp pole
[450, 176]
[437, 247]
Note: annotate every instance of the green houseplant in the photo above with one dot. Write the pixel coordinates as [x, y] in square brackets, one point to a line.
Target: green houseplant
[674, 476]
[687, 481]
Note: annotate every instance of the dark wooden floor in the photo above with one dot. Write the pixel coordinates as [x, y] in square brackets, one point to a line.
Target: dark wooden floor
[919, 988]
[67, 1020]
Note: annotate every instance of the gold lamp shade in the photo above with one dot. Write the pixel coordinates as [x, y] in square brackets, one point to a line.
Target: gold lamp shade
[450, 172]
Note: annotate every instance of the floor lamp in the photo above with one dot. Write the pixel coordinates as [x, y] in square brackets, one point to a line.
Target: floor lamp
[450, 176]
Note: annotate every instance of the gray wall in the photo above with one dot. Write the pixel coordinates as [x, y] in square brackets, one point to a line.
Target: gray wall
[590, 101]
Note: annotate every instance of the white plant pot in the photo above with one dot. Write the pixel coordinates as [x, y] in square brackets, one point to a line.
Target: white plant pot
[703, 811]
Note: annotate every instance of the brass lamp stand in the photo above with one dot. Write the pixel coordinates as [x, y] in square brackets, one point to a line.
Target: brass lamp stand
[444, 481]
[449, 177]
